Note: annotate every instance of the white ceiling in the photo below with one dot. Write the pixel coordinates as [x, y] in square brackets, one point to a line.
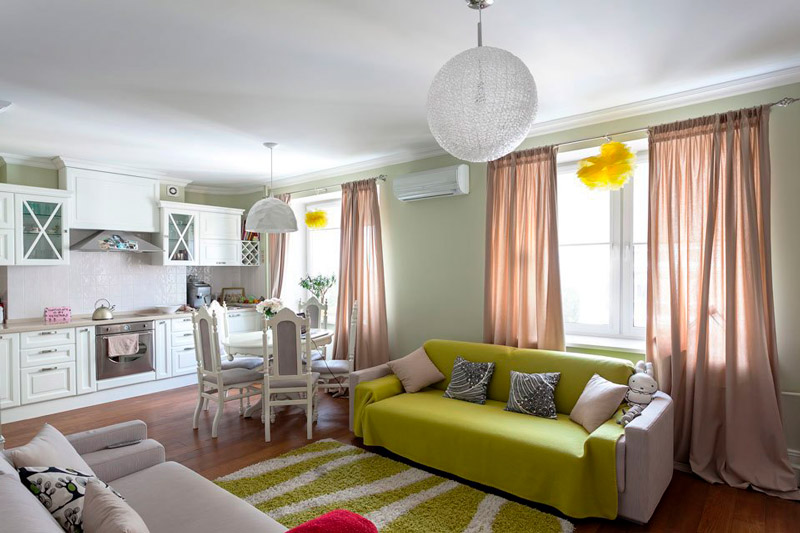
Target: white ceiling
[192, 87]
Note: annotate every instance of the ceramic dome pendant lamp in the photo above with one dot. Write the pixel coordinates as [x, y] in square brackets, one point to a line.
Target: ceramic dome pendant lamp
[271, 215]
[482, 103]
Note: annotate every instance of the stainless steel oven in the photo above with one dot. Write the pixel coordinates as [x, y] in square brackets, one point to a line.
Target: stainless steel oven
[141, 360]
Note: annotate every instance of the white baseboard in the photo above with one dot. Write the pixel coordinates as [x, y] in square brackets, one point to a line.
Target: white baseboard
[34, 410]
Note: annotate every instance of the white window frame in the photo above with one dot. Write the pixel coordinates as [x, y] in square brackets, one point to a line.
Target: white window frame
[621, 297]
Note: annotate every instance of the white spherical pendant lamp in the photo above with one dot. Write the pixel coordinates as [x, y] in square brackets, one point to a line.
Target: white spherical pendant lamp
[482, 103]
[271, 215]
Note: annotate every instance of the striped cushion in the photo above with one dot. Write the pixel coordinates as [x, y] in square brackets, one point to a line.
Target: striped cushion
[469, 381]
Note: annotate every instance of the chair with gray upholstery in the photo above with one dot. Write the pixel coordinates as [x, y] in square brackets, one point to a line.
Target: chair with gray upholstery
[289, 380]
[214, 383]
[317, 314]
[335, 374]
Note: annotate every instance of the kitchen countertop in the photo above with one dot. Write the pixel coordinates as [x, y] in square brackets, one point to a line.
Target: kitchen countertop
[36, 324]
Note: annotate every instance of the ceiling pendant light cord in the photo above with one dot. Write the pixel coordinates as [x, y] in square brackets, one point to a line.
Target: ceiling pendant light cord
[480, 26]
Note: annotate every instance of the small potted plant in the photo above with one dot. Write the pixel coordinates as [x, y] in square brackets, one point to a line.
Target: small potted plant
[318, 285]
[269, 307]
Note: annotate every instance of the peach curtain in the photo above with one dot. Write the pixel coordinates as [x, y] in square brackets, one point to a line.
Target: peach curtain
[277, 243]
[361, 277]
[710, 318]
[522, 300]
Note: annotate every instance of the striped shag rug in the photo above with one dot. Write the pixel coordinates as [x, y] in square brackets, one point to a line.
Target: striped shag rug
[305, 483]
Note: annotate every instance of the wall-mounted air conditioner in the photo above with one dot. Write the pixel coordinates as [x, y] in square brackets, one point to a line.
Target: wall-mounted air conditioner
[448, 181]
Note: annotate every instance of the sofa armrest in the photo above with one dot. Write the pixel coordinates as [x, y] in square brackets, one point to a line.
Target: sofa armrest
[114, 463]
[100, 438]
[360, 376]
[648, 459]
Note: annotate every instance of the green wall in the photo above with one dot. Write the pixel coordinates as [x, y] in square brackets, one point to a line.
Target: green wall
[237, 201]
[30, 176]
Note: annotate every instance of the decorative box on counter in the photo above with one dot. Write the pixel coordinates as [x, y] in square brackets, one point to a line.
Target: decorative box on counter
[57, 315]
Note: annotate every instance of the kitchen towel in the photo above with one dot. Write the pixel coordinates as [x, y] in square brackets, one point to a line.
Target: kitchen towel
[123, 345]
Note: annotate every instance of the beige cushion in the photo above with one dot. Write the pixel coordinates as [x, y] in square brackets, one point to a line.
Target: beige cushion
[415, 371]
[49, 448]
[234, 376]
[105, 512]
[335, 366]
[598, 402]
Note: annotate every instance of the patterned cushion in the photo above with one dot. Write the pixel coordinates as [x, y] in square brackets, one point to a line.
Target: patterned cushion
[469, 381]
[61, 491]
[533, 394]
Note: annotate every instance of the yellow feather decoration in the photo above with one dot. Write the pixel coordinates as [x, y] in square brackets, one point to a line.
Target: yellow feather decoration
[316, 219]
[609, 170]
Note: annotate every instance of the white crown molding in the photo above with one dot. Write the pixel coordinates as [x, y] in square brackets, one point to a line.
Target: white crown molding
[226, 191]
[63, 162]
[27, 160]
[701, 95]
[362, 166]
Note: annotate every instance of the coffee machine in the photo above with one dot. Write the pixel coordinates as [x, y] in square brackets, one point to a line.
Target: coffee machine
[198, 293]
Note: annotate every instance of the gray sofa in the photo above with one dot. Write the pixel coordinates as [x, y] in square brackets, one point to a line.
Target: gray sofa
[644, 453]
[169, 497]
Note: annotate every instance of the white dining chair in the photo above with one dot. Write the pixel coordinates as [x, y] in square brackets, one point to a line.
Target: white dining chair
[233, 360]
[335, 374]
[213, 382]
[289, 381]
[317, 314]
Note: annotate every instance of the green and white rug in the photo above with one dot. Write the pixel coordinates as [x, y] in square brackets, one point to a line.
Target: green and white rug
[326, 475]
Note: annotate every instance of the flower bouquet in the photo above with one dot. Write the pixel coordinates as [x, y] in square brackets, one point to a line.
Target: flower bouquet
[269, 307]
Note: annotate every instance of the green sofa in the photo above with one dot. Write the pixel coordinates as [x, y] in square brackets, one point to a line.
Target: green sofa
[610, 472]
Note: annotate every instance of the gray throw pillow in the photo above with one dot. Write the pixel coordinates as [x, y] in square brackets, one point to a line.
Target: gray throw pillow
[533, 394]
[469, 381]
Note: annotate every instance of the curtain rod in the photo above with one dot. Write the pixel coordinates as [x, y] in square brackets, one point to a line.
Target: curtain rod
[320, 190]
[783, 102]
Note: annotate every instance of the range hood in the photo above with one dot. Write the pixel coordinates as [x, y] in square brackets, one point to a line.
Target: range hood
[114, 241]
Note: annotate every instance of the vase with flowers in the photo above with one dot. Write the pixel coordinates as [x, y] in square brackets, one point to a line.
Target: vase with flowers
[318, 285]
[269, 307]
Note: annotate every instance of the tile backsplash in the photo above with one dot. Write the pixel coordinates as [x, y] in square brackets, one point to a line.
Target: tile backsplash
[128, 281]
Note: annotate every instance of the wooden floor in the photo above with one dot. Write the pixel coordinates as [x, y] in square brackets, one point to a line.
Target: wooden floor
[690, 504]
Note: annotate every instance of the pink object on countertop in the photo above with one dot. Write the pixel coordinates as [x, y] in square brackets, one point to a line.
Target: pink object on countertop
[57, 315]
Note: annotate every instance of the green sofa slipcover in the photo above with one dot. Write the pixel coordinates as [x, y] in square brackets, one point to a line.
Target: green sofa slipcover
[555, 462]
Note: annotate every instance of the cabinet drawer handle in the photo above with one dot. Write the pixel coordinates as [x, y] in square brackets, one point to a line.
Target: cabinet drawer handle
[162, 322]
[52, 350]
[234, 315]
[85, 329]
[189, 348]
[48, 332]
[187, 334]
[48, 368]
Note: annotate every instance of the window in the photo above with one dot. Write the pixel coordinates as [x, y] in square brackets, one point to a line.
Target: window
[603, 254]
[313, 251]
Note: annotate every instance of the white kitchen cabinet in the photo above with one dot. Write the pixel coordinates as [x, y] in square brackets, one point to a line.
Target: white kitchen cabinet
[85, 362]
[109, 200]
[46, 337]
[180, 240]
[220, 226]
[182, 324]
[163, 349]
[6, 246]
[6, 210]
[9, 371]
[41, 234]
[47, 356]
[183, 360]
[220, 252]
[43, 383]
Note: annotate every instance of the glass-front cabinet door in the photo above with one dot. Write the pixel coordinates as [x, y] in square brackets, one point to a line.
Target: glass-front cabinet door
[181, 238]
[42, 237]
